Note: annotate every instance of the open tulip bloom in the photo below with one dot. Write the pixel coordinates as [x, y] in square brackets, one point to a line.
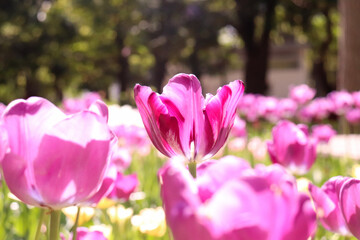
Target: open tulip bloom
[181, 122]
[229, 200]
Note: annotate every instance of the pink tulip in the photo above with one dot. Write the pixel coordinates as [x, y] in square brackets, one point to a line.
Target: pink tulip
[133, 138]
[3, 142]
[54, 160]
[181, 117]
[121, 158]
[247, 107]
[323, 132]
[2, 108]
[350, 205]
[267, 108]
[353, 116]
[342, 101]
[74, 105]
[318, 109]
[326, 200]
[356, 97]
[239, 128]
[292, 147]
[84, 234]
[106, 187]
[124, 186]
[286, 108]
[302, 93]
[239, 203]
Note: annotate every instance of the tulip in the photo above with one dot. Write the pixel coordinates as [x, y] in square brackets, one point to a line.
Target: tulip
[223, 203]
[124, 186]
[268, 108]
[54, 160]
[318, 109]
[353, 116]
[180, 117]
[350, 204]
[302, 93]
[239, 128]
[292, 147]
[356, 97]
[246, 107]
[119, 213]
[73, 105]
[85, 214]
[326, 200]
[286, 108]
[3, 142]
[150, 221]
[84, 234]
[323, 133]
[342, 101]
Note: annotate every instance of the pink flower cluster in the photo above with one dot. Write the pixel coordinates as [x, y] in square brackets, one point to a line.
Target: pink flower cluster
[301, 105]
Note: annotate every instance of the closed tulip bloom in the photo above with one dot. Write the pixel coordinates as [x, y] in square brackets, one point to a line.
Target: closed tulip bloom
[246, 204]
[54, 160]
[350, 205]
[292, 147]
[181, 117]
[326, 200]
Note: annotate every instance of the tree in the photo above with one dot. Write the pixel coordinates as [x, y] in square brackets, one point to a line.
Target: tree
[255, 20]
[349, 47]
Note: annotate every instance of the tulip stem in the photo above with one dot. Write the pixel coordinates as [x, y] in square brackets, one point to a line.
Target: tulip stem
[76, 223]
[41, 220]
[55, 224]
[192, 168]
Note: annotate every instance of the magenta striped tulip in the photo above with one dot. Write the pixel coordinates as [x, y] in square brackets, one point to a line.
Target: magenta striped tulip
[180, 116]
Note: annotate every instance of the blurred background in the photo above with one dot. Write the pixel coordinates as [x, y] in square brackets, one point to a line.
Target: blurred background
[60, 48]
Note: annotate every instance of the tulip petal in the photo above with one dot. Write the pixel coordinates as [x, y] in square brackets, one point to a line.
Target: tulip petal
[219, 114]
[100, 108]
[143, 97]
[350, 205]
[183, 97]
[181, 205]
[69, 153]
[215, 175]
[29, 119]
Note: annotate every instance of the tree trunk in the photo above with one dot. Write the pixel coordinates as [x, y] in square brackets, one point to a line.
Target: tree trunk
[123, 62]
[159, 72]
[349, 46]
[319, 73]
[256, 48]
[255, 70]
